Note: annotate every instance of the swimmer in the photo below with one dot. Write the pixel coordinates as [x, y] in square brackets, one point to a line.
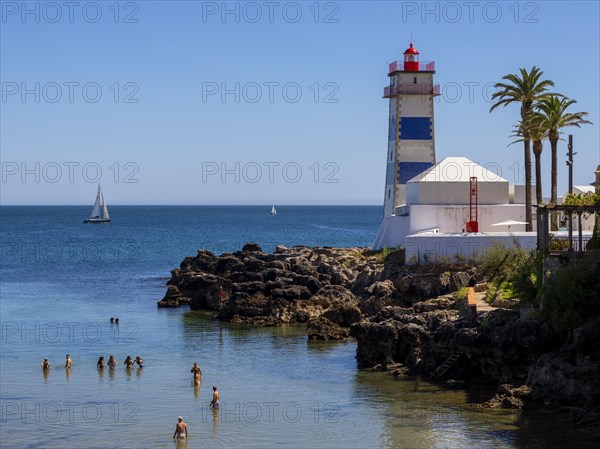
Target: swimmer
[100, 364]
[45, 365]
[128, 362]
[215, 399]
[180, 429]
[112, 320]
[139, 361]
[68, 362]
[197, 373]
[112, 363]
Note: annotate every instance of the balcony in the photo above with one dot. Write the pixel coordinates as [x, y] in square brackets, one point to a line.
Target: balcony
[411, 89]
[426, 66]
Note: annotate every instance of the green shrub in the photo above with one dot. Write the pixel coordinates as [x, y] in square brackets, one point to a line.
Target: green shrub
[383, 254]
[573, 295]
[461, 294]
[510, 271]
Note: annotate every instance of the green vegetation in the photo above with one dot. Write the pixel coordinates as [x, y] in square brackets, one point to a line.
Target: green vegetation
[383, 254]
[511, 272]
[574, 293]
[461, 294]
[558, 245]
[583, 200]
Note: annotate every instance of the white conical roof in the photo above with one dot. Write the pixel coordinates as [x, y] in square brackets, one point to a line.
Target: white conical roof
[458, 169]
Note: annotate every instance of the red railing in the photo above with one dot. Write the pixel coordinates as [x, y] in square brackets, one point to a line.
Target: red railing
[411, 89]
[426, 66]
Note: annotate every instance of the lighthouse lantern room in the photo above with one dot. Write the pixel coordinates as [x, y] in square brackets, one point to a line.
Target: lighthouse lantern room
[411, 59]
[411, 148]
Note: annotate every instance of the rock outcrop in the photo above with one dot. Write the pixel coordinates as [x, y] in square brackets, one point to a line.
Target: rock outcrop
[531, 363]
[292, 285]
[300, 284]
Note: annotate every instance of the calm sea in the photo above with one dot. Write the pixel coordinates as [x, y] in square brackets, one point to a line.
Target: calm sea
[62, 280]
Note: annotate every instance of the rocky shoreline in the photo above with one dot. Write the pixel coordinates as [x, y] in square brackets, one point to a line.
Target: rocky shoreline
[406, 320]
[330, 289]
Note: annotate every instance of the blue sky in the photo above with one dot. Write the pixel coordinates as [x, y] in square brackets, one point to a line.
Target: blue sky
[131, 95]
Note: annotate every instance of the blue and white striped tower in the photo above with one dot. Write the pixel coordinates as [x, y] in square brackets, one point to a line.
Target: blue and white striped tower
[411, 145]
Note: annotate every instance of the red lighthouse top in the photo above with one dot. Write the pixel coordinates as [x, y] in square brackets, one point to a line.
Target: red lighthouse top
[411, 50]
[411, 59]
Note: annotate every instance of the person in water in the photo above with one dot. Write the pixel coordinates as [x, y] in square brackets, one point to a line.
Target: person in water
[128, 362]
[139, 361]
[45, 365]
[112, 363]
[180, 429]
[100, 364]
[197, 373]
[112, 320]
[215, 399]
[68, 362]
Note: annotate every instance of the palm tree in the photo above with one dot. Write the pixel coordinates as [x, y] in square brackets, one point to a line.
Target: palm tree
[531, 126]
[525, 89]
[551, 115]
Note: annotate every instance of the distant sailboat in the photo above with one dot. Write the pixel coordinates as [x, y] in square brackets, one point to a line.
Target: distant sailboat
[99, 211]
[273, 211]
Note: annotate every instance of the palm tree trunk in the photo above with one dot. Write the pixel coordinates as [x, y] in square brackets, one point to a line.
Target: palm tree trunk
[527, 159]
[537, 152]
[553, 182]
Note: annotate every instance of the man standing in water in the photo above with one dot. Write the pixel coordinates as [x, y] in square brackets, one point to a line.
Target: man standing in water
[215, 399]
[180, 429]
[68, 362]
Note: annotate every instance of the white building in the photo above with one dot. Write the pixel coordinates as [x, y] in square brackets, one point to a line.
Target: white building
[433, 222]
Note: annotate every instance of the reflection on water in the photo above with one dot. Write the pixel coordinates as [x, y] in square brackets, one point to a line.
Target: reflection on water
[419, 414]
[215, 427]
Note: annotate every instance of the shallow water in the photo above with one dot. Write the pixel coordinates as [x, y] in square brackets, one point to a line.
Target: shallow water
[60, 285]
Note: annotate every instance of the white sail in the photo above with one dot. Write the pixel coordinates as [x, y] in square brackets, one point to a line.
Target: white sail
[96, 209]
[273, 211]
[105, 215]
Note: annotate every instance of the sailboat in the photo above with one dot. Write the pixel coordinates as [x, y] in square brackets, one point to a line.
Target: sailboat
[99, 211]
[273, 211]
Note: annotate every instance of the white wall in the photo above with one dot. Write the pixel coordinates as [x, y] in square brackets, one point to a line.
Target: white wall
[433, 247]
[520, 194]
[453, 218]
[416, 151]
[392, 232]
[449, 219]
[447, 192]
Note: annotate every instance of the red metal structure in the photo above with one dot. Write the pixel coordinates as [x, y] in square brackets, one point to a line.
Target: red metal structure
[473, 224]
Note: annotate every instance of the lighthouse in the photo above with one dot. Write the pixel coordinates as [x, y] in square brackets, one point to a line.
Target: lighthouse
[427, 202]
[411, 144]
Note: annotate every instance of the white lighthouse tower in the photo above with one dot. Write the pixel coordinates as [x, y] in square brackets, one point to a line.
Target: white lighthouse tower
[411, 144]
